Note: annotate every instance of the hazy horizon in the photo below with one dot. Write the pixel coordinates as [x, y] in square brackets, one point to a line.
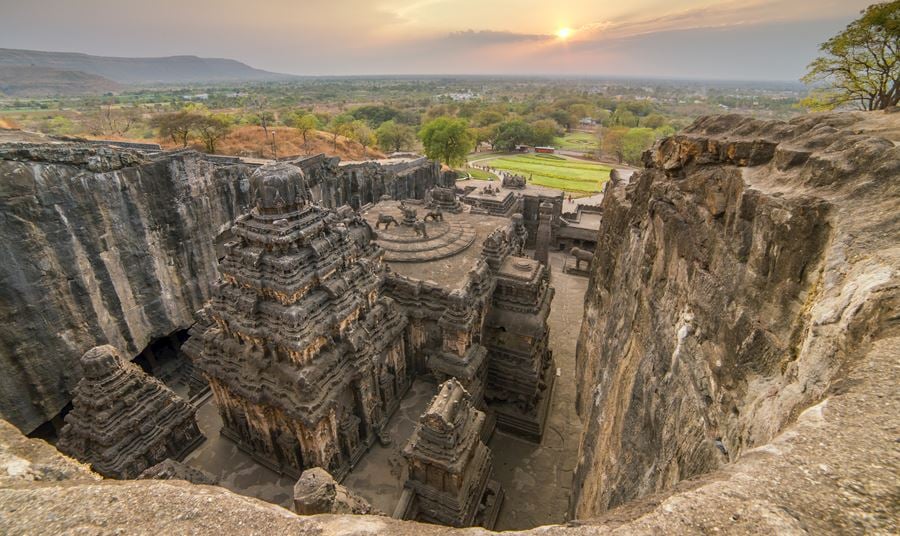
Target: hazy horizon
[696, 40]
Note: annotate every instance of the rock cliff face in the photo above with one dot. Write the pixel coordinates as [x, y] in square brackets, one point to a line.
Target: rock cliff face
[105, 245]
[100, 246]
[736, 282]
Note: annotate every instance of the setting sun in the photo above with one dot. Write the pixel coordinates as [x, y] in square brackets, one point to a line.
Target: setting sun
[564, 33]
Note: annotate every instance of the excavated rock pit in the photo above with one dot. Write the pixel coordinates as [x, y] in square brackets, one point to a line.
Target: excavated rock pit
[737, 366]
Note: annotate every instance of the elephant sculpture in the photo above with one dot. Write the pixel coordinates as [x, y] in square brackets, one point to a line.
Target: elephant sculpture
[581, 255]
[387, 220]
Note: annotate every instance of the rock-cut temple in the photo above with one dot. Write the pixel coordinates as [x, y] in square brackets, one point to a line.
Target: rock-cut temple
[304, 355]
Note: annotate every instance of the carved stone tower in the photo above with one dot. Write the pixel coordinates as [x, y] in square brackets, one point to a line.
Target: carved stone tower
[124, 421]
[449, 480]
[305, 358]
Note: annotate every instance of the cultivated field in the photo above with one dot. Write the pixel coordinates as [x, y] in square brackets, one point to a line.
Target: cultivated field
[554, 171]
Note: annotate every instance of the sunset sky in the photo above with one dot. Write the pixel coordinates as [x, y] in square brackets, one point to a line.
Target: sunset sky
[723, 39]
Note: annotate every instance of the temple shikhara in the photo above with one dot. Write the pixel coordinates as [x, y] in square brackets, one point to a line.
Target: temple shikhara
[305, 356]
[124, 421]
[322, 319]
[449, 480]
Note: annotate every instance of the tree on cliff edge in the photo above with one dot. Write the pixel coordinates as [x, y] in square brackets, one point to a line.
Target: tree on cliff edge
[860, 64]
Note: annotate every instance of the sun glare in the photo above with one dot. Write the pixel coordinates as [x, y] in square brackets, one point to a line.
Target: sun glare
[564, 33]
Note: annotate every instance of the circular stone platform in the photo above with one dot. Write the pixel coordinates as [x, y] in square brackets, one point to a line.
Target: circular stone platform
[401, 244]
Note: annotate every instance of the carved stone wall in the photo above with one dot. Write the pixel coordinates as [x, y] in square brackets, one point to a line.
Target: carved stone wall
[124, 421]
[304, 355]
[117, 246]
[449, 465]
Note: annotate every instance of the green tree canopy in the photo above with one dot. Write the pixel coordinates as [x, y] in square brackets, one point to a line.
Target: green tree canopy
[392, 136]
[305, 123]
[340, 125]
[512, 133]
[859, 65]
[635, 142]
[375, 114]
[447, 139]
[544, 131]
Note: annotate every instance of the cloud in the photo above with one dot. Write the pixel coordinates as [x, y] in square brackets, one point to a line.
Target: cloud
[491, 37]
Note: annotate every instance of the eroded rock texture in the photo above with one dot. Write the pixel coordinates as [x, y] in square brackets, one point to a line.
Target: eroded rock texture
[106, 245]
[316, 492]
[100, 246]
[735, 281]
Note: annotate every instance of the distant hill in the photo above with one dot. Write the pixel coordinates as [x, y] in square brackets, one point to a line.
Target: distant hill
[31, 81]
[140, 71]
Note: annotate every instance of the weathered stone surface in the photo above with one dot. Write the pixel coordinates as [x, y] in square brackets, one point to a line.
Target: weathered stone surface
[124, 421]
[110, 245]
[170, 469]
[305, 357]
[732, 288]
[450, 467]
[101, 246]
[316, 492]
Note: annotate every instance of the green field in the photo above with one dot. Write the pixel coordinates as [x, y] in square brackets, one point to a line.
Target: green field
[577, 141]
[477, 174]
[554, 171]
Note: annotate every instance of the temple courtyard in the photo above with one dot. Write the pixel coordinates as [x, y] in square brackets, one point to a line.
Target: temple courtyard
[535, 477]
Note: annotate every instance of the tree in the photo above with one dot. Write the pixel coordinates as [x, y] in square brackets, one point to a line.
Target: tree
[305, 123]
[447, 139]
[211, 129]
[340, 125]
[375, 114]
[860, 64]
[512, 133]
[393, 137]
[611, 141]
[653, 121]
[109, 121]
[176, 126]
[544, 131]
[265, 118]
[486, 134]
[635, 142]
[564, 118]
[364, 135]
[624, 118]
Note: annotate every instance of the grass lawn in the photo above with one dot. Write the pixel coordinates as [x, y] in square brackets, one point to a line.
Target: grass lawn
[477, 174]
[555, 171]
[577, 141]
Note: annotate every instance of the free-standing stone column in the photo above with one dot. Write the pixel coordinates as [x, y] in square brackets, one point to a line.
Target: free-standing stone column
[544, 232]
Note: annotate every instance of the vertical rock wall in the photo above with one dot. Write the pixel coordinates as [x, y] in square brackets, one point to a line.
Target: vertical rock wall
[107, 245]
[99, 246]
[731, 288]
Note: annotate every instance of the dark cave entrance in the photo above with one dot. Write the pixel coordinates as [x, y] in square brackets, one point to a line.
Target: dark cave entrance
[164, 360]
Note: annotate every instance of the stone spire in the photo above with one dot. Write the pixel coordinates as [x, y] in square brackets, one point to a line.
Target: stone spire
[305, 358]
[449, 465]
[124, 421]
